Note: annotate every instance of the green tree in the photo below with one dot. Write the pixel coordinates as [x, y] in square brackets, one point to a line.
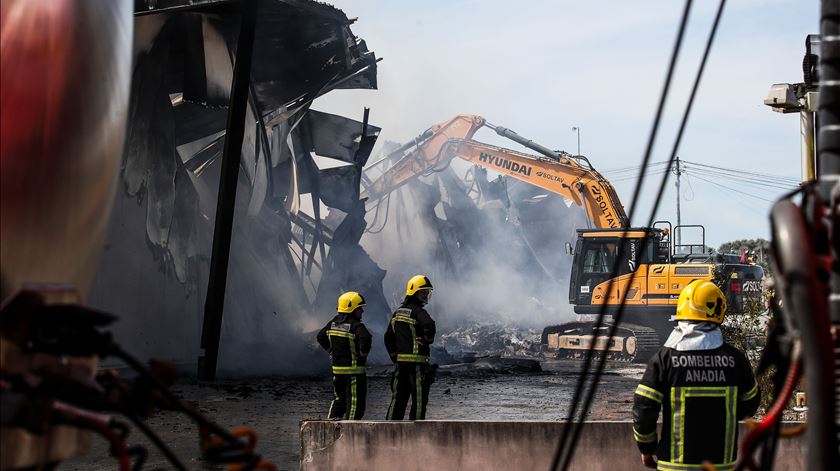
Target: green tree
[747, 331]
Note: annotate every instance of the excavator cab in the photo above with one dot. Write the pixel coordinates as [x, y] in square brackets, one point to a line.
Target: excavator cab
[649, 297]
[595, 256]
[644, 251]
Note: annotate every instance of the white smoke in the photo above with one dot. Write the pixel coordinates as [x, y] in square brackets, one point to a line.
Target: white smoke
[502, 274]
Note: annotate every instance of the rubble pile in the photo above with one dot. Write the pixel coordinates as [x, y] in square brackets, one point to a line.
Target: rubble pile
[485, 340]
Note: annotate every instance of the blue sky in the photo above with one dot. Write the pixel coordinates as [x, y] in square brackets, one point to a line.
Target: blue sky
[541, 67]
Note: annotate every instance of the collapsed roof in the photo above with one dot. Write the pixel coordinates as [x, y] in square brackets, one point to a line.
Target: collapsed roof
[281, 249]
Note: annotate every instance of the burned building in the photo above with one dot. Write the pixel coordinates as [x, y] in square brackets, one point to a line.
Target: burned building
[287, 264]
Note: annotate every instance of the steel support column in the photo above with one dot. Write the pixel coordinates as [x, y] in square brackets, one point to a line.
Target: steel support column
[226, 201]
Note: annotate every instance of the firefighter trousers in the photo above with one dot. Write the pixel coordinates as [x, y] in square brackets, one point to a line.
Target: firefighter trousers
[410, 380]
[350, 395]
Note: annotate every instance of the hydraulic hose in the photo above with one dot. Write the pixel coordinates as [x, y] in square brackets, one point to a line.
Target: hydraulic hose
[805, 296]
[773, 416]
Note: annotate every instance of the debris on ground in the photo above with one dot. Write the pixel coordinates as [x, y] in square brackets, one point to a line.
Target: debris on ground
[442, 356]
[493, 364]
[486, 340]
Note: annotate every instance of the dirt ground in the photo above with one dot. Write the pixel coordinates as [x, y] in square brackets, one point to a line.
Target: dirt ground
[274, 407]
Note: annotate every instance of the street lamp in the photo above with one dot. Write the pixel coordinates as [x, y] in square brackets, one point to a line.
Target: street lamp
[575, 128]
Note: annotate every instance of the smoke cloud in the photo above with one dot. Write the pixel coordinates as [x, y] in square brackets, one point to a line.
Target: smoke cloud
[493, 247]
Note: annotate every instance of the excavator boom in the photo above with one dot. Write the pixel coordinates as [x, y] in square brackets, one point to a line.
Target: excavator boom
[554, 171]
[565, 177]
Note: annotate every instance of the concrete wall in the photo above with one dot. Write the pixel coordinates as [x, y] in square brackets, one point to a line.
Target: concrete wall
[478, 445]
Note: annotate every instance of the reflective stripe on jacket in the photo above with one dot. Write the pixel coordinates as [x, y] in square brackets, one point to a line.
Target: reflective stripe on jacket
[348, 342]
[410, 333]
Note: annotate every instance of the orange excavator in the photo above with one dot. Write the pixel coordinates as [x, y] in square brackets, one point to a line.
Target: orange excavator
[652, 295]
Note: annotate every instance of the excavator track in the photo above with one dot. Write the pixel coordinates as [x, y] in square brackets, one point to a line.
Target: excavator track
[632, 343]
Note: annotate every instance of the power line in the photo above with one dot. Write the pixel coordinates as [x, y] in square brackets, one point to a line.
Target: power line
[632, 168]
[746, 172]
[746, 181]
[742, 201]
[761, 184]
[634, 174]
[690, 187]
[765, 176]
[760, 174]
[759, 181]
[733, 189]
[633, 177]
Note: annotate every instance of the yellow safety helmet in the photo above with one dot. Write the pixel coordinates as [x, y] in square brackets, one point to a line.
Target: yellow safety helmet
[349, 301]
[701, 300]
[417, 283]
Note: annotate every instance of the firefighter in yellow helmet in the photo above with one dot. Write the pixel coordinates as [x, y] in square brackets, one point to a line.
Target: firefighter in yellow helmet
[702, 384]
[408, 338]
[348, 342]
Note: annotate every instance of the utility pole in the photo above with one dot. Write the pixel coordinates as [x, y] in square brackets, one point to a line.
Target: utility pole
[576, 128]
[678, 171]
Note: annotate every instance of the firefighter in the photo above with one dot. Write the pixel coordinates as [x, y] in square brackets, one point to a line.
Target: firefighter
[703, 386]
[410, 333]
[348, 342]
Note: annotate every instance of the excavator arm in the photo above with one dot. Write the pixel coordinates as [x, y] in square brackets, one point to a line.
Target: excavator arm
[565, 177]
[555, 172]
[425, 157]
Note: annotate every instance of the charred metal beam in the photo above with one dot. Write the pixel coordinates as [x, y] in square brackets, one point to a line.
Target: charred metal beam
[226, 201]
[152, 7]
[306, 222]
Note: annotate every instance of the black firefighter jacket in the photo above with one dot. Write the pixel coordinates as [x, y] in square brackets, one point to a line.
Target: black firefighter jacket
[348, 342]
[702, 394]
[410, 333]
